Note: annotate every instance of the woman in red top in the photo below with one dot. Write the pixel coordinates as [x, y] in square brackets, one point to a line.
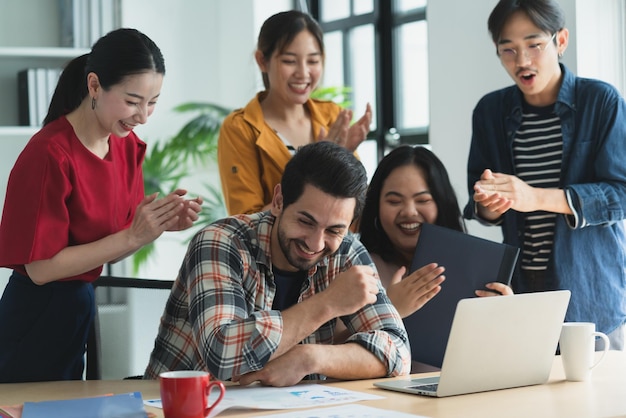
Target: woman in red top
[74, 201]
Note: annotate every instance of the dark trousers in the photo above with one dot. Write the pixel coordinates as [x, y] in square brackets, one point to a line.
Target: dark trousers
[534, 281]
[43, 329]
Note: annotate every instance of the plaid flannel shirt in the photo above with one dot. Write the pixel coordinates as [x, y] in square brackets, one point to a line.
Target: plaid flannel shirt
[219, 315]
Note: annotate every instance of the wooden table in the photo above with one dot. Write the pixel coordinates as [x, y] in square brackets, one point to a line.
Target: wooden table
[602, 396]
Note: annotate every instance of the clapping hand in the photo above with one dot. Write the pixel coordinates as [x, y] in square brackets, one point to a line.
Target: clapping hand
[349, 137]
[188, 214]
[499, 192]
[171, 213]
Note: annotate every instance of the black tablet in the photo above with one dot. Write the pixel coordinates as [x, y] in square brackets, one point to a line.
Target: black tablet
[470, 263]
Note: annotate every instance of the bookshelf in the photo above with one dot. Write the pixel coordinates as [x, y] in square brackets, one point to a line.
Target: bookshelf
[34, 34]
[12, 61]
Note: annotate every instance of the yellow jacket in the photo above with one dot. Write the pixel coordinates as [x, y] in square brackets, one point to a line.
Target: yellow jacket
[252, 158]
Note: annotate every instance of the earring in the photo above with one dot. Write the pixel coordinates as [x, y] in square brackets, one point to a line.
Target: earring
[560, 55]
[93, 103]
[377, 224]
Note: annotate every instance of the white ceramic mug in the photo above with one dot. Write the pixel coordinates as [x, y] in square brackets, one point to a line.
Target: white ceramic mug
[577, 345]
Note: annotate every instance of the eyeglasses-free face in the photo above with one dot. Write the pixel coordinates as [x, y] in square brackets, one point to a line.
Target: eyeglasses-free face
[532, 51]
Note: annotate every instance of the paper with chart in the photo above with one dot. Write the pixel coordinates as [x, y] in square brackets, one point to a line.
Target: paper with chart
[344, 411]
[299, 396]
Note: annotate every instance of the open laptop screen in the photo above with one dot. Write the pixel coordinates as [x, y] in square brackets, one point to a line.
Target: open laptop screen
[496, 343]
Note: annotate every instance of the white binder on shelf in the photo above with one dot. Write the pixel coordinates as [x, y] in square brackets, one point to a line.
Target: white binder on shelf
[83, 22]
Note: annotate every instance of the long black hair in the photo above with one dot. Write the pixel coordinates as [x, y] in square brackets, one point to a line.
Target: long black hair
[120, 53]
[373, 236]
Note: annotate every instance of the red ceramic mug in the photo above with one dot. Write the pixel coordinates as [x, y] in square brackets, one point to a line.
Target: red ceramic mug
[185, 393]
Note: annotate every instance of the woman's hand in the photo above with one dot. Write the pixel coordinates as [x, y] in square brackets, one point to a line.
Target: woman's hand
[497, 288]
[357, 133]
[349, 137]
[154, 216]
[414, 291]
[188, 213]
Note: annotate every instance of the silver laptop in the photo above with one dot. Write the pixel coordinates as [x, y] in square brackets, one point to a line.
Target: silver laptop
[495, 343]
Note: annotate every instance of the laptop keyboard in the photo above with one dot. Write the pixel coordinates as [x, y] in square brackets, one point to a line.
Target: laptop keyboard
[431, 387]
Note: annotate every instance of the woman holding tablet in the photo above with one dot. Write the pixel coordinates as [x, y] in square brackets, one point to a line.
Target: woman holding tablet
[410, 187]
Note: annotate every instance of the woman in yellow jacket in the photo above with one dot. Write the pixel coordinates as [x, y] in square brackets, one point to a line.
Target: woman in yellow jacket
[256, 142]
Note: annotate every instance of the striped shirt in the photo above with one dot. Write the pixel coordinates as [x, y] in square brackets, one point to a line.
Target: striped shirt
[537, 151]
[290, 148]
[219, 315]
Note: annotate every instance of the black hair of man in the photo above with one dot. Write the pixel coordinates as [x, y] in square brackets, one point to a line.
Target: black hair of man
[328, 167]
[547, 15]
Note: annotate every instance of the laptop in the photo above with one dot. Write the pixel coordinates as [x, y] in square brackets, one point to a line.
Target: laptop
[495, 343]
[470, 262]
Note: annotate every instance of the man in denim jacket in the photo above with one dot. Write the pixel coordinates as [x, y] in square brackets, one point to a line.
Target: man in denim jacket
[548, 164]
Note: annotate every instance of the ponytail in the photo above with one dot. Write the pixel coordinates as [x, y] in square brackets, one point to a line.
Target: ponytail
[70, 91]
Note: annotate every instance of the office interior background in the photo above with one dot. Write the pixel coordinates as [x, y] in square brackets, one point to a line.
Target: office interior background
[423, 70]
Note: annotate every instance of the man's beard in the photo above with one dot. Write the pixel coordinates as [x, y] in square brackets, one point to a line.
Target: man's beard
[293, 260]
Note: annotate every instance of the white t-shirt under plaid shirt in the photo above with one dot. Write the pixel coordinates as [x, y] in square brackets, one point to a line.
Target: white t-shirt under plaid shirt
[219, 314]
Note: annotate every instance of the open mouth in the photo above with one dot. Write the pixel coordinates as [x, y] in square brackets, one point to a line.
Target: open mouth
[300, 87]
[526, 76]
[410, 227]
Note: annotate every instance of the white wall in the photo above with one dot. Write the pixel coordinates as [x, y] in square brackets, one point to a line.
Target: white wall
[597, 23]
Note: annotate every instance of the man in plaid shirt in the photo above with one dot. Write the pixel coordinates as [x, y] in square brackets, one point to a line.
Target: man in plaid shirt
[258, 296]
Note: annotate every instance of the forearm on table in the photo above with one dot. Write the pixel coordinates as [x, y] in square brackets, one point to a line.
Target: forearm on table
[345, 361]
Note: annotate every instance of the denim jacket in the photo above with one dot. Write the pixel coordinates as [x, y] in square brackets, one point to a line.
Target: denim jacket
[588, 256]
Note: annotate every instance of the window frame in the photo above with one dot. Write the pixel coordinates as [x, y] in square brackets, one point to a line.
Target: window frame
[385, 22]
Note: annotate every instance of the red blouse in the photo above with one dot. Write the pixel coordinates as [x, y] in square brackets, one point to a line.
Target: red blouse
[60, 194]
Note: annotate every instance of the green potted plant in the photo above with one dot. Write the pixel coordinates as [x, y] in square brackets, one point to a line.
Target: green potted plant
[168, 163]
